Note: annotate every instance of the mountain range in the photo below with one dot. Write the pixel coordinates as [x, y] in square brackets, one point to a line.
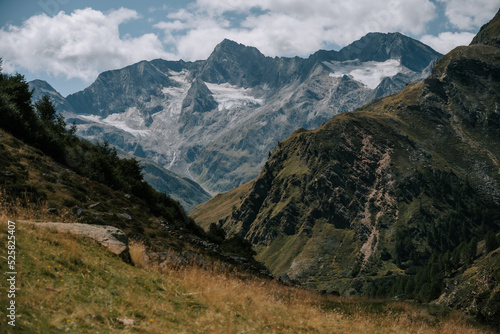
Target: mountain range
[99, 250]
[398, 198]
[214, 121]
[393, 198]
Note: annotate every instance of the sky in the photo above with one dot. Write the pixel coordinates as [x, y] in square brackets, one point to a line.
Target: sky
[69, 42]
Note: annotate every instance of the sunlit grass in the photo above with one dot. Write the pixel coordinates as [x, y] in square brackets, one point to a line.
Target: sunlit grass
[71, 284]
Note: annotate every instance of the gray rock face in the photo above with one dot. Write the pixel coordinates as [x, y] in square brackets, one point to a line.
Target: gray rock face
[214, 121]
[110, 237]
[41, 88]
[199, 99]
[379, 47]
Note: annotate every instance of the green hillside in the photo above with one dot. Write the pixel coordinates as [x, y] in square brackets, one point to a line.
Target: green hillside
[390, 199]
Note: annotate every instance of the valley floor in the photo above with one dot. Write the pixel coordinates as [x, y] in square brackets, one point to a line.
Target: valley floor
[71, 284]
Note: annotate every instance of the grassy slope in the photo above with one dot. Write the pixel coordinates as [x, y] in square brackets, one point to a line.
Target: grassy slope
[220, 206]
[35, 179]
[69, 284]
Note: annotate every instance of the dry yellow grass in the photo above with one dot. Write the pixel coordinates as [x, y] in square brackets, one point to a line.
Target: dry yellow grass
[70, 284]
[235, 305]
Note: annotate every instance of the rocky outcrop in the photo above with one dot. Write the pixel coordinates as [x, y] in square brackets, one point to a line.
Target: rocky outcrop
[488, 35]
[199, 99]
[108, 236]
[41, 88]
[379, 47]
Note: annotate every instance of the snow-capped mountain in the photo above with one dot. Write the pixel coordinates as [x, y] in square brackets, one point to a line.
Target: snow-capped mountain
[215, 120]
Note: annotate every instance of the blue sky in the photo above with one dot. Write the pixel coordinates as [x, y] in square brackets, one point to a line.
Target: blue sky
[69, 42]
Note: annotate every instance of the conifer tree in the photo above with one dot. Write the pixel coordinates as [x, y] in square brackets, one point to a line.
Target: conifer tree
[491, 241]
[45, 109]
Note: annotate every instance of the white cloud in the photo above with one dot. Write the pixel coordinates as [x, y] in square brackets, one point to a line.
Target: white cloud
[79, 45]
[470, 14]
[86, 42]
[290, 27]
[447, 41]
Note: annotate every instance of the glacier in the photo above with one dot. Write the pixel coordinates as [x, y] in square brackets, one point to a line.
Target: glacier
[370, 73]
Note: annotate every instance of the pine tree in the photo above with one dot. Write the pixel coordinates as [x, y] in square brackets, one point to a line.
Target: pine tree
[470, 251]
[491, 241]
[45, 109]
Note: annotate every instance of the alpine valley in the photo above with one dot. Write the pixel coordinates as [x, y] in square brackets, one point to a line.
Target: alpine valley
[400, 197]
[369, 171]
[215, 121]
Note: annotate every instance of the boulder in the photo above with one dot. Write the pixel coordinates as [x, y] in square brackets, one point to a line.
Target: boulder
[110, 237]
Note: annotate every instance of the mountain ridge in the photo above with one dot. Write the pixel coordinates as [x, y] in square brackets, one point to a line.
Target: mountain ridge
[252, 102]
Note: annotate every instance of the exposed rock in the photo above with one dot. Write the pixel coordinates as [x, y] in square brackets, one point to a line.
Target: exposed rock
[126, 321]
[124, 216]
[477, 290]
[108, 236]
[368, 191]
[41, 88]
[186, 191]
[79, 212]
[488, 35]
[52, 211]
[8, 175]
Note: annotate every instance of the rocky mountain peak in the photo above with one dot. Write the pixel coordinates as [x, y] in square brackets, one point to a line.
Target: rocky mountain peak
[199, 99]
[237, 64]
[377, 196]
[381, 47]
[41, 88]
[231, 49]
[220, 116]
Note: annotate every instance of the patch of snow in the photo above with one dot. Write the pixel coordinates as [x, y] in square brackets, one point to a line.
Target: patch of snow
[175, 95]
[229, 96]
[172, 91]
[370, 73]
[120, 121]
[173, 160]
[91, 118]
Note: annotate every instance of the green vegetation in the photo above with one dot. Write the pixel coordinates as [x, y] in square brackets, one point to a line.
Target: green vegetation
[235, 244]
[440, 239]
[492, 241]
[489, 33]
